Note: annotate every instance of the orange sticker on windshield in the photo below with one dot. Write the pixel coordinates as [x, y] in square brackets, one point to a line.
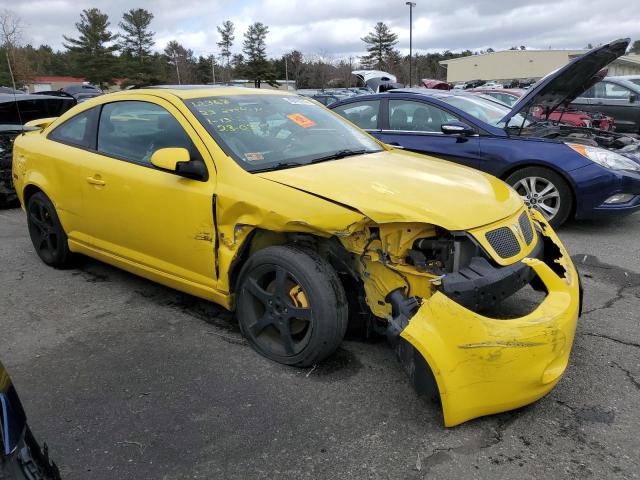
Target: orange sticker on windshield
[301, 120]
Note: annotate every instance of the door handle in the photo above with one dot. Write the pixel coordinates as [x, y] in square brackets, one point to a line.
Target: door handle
[96, 181]
[396, 145]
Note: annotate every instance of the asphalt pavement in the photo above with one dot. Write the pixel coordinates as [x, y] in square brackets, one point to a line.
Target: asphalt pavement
[126, 379]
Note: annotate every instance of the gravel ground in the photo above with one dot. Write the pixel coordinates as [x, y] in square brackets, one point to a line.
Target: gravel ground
[126, 379]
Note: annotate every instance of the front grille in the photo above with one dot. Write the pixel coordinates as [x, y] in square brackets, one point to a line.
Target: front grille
[503, 241]
[525, 227]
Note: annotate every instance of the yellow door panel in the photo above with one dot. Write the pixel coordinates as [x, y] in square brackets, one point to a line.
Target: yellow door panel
[143, 214]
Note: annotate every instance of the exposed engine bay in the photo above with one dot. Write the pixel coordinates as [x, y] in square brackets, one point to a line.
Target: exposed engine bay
[622, 144]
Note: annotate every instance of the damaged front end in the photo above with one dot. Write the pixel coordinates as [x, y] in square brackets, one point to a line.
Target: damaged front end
[427, 288]
[8, 196]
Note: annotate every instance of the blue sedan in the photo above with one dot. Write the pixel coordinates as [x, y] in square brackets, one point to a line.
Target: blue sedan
[561, 170]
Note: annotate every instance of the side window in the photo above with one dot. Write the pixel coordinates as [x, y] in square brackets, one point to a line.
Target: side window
[611, 91]
[79, 130]
[363, 114]
[133, 130]
[589, 93]
[413, 116]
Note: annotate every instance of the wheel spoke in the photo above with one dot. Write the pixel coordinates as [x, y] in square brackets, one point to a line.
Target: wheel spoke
[299, 313]
[548, 196]
[36, 221]
[258, 292]
[281, 276]
[42, 240]
[260, 325]
[546, 190]
[50, 243]
[547, 210]
[285, 336]
[532, 184]
[44, 215]
[523, 183]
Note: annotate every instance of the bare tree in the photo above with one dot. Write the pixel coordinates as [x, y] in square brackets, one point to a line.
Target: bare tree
[10, 35]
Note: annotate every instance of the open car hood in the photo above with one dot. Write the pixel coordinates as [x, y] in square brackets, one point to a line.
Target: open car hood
[374, 78]
[392, 186]
[563, 85]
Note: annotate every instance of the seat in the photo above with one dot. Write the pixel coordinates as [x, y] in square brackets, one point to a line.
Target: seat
[420, 121]
[399, 120]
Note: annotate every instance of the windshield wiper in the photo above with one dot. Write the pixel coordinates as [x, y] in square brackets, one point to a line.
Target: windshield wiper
[341, 154]
[278, 166]
[334, 156]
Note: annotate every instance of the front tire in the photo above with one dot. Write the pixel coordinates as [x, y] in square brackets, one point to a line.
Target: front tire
[544, 190]
[291, 305]
[47, 235]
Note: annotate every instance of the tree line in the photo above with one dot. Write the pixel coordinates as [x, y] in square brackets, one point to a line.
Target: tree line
[102, 55]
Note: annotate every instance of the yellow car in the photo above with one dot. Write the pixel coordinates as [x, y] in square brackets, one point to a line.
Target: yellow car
[272, 206]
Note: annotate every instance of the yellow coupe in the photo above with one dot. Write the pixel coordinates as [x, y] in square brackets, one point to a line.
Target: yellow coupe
[272, 206]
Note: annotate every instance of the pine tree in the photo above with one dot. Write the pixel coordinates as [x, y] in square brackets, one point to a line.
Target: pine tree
[181, 62]
[254, 47]
[635, 47]
[93, 49]
[136, 43]
[226, 31]
[137, 39]
[380, 43]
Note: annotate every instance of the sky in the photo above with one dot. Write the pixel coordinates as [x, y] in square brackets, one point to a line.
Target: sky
[334, 28]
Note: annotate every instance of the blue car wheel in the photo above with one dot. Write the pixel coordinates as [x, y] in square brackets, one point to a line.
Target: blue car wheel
[544, 190]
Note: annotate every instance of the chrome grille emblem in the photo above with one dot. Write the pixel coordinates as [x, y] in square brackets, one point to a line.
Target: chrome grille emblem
[518, 232]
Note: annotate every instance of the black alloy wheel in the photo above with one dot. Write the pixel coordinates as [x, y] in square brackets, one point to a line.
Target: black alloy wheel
[46, 232]
[291, 306]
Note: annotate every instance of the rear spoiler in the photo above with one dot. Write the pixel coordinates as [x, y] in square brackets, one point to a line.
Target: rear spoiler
[41, 123]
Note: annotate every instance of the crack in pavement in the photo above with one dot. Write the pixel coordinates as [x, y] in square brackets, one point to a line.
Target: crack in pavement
[630, 376]
[493, 436]
[607, 337]
[591, 267]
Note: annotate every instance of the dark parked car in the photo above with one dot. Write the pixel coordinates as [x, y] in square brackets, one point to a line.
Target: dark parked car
[20, 455]
[561, 170]
[618, 97]
[15, 111]
[82, 92]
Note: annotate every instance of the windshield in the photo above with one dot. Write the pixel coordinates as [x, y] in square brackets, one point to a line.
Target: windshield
[264, 132]
[485, 110]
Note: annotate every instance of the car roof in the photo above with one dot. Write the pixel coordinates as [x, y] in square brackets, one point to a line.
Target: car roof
[428, 92]
[197, 91]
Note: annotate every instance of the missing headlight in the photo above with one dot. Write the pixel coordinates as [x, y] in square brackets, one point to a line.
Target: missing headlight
[442, 254]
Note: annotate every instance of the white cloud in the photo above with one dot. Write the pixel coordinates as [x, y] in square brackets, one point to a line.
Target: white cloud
[334, 27]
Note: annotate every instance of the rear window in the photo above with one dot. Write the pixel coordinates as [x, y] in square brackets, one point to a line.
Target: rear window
[77, 131]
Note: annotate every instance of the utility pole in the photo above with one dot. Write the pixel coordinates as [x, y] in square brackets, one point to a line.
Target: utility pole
[175, 60]
[286, 72]
[411, 5]
[213, 68]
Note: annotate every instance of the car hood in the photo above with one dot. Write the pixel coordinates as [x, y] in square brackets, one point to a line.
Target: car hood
[393, 186]
[563, 85]
[374, 78]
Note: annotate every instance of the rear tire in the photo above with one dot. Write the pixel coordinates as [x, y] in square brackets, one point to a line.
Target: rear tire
[544, 190]
[291, 305]
[47, 235]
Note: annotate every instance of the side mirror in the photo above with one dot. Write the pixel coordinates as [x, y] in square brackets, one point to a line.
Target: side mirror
[457, 128]
[178, 160]
[168, 158]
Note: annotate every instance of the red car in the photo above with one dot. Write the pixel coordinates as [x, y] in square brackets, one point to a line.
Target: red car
[577, 118]
[435, 84]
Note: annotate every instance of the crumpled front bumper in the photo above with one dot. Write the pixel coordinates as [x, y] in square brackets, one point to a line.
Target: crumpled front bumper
[483, 365]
